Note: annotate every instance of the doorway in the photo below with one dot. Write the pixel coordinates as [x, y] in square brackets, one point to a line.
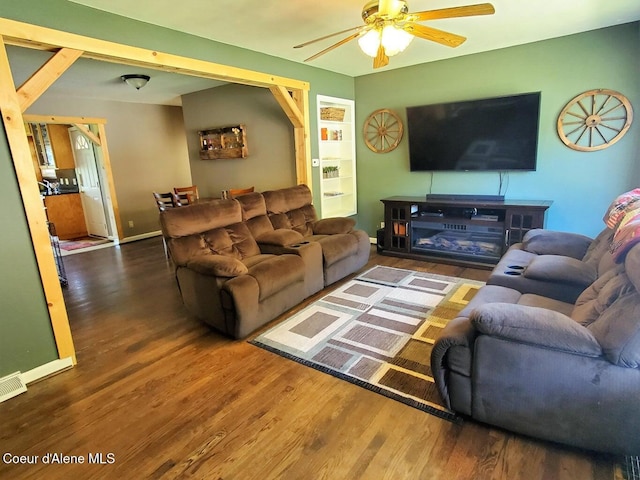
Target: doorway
[92, 171]
[89, 184]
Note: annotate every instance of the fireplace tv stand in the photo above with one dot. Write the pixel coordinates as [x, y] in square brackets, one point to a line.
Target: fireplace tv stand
[470, 230]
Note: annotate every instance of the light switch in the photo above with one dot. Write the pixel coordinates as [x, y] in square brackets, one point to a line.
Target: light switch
[315, 162]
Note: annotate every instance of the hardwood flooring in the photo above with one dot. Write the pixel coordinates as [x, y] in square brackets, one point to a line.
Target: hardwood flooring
[161, 396]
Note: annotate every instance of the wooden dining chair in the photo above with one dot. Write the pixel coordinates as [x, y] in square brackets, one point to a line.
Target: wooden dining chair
[187, 195]
[166, 200]
[240, 191]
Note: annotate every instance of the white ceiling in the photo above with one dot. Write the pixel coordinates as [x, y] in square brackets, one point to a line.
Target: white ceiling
[274, 27]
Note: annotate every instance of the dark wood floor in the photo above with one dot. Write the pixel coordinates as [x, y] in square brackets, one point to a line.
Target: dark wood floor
[160, 395]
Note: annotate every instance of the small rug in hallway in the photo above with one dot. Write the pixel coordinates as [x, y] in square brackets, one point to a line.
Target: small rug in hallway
[80, 243]
[377, 331]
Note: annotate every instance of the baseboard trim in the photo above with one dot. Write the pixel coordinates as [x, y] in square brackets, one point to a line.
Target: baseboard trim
[372, 241]
[142, 236]
[46, 370]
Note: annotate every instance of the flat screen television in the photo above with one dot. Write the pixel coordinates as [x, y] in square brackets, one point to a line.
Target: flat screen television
[491, 134]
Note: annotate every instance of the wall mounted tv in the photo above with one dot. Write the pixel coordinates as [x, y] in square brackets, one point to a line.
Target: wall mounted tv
[491, 134]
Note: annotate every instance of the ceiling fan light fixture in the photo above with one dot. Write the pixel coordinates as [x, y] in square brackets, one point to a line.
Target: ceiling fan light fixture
[136, 80]
[369, 42]
[394, 40]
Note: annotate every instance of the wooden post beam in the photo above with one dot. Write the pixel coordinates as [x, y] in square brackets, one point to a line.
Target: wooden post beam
[283, 97]
[36, 218]
[92, 137]
[41, 80]
[302, 140]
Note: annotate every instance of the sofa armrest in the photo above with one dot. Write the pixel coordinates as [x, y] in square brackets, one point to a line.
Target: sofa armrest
[560, 268]
[549, 242]
[217, 266]
[452, 351]
[332, 226]
[535, 326]
[280, 237]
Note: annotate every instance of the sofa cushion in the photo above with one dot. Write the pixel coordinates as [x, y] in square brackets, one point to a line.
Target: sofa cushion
[598, 247]
[336, 247]
[632, 266]
[253, 205]
[233, 241]
[600, 295]
[286, 199]
[618, 331]
[535, 326]
[491, 294]
[533, 300]
[280, 237]
[549, 242]
[331, 226]
[276, 273]
[301, 219]
[199, 217]
[558, 268]
[217, 265]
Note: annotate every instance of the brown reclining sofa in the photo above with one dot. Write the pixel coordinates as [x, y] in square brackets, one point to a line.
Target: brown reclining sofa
[241, 262]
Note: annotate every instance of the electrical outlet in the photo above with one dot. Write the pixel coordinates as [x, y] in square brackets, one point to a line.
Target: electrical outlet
[381, 224]
[130, 223]
[315, 162]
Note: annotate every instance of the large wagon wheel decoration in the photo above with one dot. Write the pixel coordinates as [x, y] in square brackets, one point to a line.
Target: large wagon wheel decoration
[383, 131]
[594, 120]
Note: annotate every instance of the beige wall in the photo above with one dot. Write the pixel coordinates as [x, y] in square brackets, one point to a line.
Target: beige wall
[271, 160]
[148, 151]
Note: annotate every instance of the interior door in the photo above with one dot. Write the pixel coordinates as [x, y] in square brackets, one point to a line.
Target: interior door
[89, 183]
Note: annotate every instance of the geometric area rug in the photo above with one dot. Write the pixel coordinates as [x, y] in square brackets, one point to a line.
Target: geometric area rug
[377, 331]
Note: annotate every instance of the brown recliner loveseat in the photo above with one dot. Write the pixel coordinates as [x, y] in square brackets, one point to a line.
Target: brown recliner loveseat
[237, 269]
[344, 248]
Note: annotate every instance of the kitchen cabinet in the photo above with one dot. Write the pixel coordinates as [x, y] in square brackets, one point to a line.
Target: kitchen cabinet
[61, 146]
[66, 213]
[52, 145]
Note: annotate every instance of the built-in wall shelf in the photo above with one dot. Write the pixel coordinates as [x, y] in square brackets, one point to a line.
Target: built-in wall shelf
[336, 145]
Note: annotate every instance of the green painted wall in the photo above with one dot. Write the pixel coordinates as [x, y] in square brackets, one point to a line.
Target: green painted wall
[71, 17]
[26, 338]
[580, 184]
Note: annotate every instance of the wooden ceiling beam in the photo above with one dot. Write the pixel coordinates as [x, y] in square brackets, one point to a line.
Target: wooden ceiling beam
[41, 38]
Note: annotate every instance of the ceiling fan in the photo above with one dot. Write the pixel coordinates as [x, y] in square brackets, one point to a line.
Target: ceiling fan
[389, 28]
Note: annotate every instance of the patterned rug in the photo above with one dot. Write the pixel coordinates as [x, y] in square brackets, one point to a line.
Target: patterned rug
[377, 331]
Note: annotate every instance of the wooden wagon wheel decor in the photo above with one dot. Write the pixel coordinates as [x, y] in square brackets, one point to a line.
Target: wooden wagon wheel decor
[595, 120]
[383, 131]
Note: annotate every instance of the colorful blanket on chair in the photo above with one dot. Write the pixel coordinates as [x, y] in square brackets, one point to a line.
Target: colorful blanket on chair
[620, 206]
[627, 234]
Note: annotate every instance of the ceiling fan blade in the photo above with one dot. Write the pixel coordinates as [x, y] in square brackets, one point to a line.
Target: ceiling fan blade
[335, 45]
[359, 27]
[466, 11]
[433, 34]
[390, 8]
[381, 59]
